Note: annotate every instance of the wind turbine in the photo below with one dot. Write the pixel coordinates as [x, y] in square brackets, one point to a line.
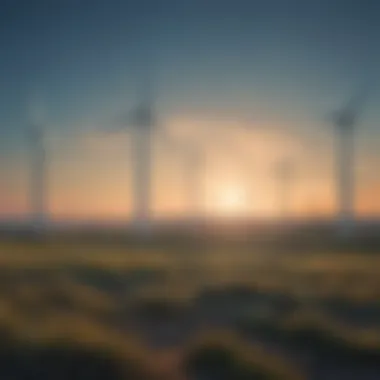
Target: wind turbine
[38, 162]
[345, 121]
[141, 124]
[144, 127]
[284, 172]
[194, 165]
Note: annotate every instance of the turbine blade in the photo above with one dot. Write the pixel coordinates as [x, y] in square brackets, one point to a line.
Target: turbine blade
[348, 115]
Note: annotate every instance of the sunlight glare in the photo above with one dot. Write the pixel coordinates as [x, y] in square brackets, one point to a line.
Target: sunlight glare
[232, 202]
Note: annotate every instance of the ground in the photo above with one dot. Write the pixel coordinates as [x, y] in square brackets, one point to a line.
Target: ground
[111, 309]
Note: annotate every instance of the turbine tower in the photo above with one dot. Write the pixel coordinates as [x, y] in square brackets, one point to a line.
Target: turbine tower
[143, 126]
[284, 172]
[345, 121]
[38, 168]
[194, 163]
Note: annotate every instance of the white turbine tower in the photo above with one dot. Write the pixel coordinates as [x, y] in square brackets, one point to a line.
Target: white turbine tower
[194, 166]
[141, 123]
[345, 121]
[38, 167]
[144, 127]
[284, 172]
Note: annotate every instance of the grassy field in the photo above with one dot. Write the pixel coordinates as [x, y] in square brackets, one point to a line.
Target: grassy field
[109, 310]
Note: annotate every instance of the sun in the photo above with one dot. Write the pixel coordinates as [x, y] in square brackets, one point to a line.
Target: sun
[231, 201]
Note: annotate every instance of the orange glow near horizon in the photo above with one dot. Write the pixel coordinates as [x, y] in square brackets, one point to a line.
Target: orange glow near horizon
[91, 179]
[226, 204]
[231, 201]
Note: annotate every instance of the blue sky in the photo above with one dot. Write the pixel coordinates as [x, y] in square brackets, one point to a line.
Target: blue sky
[277, 62]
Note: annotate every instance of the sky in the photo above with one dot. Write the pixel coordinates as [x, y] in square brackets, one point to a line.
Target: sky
[249, 81]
